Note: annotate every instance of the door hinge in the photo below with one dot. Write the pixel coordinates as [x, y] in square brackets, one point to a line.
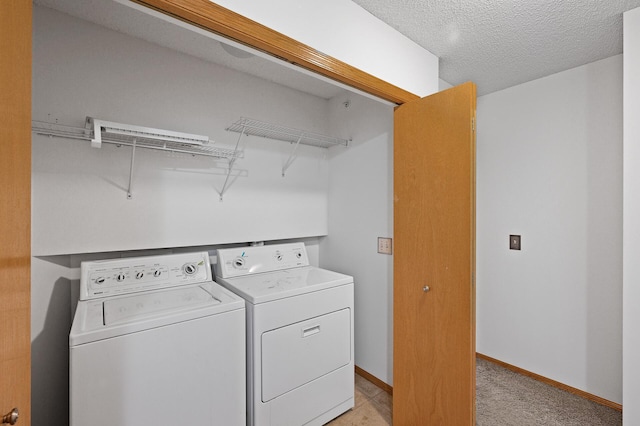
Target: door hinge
[473, 124]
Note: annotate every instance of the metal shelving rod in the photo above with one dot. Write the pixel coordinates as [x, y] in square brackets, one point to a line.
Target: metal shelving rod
[133, 156]
[231, 161]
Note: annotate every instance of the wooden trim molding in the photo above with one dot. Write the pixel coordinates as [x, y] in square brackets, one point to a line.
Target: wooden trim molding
[553, 383]
[373, 379]
[15, 208]
[217, 19]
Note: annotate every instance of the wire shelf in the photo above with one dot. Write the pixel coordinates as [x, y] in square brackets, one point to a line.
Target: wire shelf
[143, 138]
[249, 126]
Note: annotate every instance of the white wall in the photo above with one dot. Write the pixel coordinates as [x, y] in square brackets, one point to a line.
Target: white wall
[360, 210]
[549, 159]
[79, 193]
[345, 31]
[631, 274]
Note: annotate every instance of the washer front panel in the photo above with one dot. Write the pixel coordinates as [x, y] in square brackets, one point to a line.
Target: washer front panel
[185, 373]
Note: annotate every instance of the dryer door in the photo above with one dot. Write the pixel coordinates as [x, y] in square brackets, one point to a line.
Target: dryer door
[300, 353]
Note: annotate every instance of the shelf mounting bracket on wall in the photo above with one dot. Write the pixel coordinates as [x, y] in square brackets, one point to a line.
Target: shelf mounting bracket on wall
[291, 158]
[231, 161]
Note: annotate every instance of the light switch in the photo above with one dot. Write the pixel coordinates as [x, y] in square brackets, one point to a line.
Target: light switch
[514, 242]
[384, 245]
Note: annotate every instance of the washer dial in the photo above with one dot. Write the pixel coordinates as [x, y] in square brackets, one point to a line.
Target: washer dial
[190, 268]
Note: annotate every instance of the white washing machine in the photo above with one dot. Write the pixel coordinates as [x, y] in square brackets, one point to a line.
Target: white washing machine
[300, 365]
[156, 342]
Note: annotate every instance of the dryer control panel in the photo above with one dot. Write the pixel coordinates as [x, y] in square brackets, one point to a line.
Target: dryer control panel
[242, 261]
[130, 275]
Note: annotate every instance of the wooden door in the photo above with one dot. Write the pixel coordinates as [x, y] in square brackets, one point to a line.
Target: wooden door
[15, 207]
[434, 260]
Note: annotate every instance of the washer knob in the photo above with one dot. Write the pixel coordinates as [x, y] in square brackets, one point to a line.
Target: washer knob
[120, 277]
[190, 268]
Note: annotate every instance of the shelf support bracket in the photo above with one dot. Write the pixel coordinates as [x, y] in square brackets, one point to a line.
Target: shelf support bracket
[292, 157]
[96, 141]
[133, 155]
[231, 161]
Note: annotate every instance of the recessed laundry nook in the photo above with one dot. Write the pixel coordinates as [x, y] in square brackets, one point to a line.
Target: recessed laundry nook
[265, 221]
[106, 203]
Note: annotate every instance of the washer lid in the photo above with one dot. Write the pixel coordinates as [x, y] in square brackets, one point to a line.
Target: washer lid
[125, 309]
[100, 319]
[268, 286]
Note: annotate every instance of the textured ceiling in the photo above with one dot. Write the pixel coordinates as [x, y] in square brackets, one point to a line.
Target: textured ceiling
[501, 43]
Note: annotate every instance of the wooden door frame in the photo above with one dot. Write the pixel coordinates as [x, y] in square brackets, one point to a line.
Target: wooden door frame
[226, 23]
[15, 207]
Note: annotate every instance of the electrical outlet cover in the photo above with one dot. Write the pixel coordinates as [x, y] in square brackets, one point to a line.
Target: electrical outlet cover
[514, 242]
[384, 245]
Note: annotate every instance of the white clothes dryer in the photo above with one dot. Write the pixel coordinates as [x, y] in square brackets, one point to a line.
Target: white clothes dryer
[155, 341]
[300, 363]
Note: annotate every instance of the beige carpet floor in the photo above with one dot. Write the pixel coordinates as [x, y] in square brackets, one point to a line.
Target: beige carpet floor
[505, 398]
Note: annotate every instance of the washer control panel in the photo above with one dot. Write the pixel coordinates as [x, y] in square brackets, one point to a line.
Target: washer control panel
[130, 275]
[241, 261]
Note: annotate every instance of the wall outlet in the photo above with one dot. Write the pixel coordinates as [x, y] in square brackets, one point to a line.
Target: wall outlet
[384, 245]
[514, 242]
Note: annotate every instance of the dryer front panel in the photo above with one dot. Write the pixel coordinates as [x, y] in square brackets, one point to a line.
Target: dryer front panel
[304, 351]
